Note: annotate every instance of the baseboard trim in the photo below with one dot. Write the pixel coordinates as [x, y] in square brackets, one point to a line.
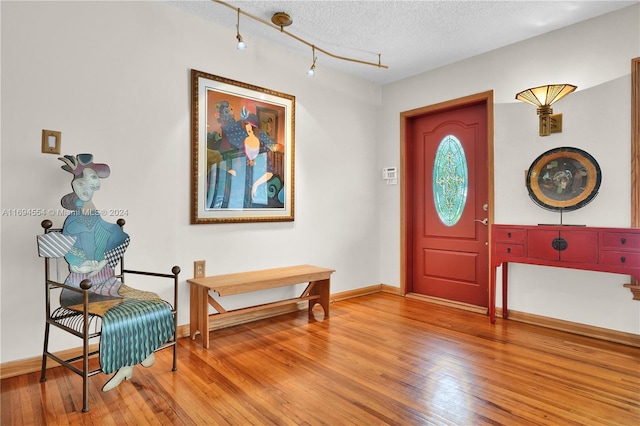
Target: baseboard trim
[29, 365]
[363, 291]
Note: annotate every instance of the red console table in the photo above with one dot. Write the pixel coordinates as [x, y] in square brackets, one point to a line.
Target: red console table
[614, 250]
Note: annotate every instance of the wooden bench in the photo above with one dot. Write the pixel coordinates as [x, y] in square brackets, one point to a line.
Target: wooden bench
[317, 291]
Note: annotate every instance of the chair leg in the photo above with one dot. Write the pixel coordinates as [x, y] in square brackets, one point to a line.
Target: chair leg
[85, 365]
[43, 373]
[85, 393]
[85, 354]
[175, 333]
[175, 355]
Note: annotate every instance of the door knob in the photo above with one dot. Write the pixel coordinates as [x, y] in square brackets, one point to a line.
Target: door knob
[484, 221]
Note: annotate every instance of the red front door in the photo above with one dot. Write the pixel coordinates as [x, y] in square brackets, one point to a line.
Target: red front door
[448, 190]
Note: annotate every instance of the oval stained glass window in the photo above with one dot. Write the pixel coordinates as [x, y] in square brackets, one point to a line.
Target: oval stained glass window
[450, 180]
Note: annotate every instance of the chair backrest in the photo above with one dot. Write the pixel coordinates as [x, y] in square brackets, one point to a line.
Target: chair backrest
[54, 244]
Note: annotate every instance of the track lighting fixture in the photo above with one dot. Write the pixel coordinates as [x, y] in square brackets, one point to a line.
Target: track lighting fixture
[279, 21]
[312, 70]
[241, 44]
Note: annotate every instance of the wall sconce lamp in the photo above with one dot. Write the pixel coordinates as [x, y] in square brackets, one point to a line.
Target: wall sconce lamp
[241, 44]
[543, 97]
[312, 70]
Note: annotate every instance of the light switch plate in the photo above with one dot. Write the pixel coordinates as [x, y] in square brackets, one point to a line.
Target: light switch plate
[51, 140]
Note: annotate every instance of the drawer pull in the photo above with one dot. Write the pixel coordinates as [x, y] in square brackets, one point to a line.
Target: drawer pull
[508, 234]
[559, 244]
[623, 259]
[623, 240]
[509, 250]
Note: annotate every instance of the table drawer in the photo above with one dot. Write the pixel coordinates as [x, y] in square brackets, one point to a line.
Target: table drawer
[509, 235]
[621, 258]
[509, 250]
[621, 241]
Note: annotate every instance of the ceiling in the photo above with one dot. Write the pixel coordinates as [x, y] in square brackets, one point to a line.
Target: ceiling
[411, 36]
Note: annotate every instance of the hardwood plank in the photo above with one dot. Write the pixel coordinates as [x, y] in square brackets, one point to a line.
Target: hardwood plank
[379, 359]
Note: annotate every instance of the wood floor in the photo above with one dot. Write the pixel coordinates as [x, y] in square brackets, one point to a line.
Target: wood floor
[378, 360]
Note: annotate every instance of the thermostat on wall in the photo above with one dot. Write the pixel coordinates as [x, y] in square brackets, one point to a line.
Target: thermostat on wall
[390, 174]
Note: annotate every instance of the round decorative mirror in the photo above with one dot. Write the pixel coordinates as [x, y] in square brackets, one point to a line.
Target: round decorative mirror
[563, 179]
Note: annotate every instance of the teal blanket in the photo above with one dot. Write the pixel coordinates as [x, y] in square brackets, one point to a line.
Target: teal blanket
[132, 330]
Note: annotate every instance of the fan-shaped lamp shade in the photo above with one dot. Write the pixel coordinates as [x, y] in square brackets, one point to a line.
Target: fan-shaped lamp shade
[543, 97]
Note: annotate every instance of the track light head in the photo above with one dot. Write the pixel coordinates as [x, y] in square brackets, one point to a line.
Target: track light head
[312, 71]
[241, 44]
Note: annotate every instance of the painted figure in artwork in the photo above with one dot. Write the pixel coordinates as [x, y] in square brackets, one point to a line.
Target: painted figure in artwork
[249, 143]
[240, 151]
[98, 248]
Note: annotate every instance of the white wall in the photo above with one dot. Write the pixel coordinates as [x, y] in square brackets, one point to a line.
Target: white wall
[594, 55]
[114, 78]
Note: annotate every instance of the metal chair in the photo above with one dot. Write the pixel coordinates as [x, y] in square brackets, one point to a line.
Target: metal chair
[84, 319]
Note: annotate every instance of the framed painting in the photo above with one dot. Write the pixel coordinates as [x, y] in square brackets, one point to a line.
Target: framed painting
[242, 152]
[564, 178]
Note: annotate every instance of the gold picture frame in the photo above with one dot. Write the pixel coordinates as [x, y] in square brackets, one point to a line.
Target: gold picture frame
[242, 152]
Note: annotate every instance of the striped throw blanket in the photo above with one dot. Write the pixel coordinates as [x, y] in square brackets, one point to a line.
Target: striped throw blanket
[132, 330]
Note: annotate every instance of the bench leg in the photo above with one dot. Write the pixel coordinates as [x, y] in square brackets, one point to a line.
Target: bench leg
[193, 311]
[203, 311]
[199, 314]
[321, 288]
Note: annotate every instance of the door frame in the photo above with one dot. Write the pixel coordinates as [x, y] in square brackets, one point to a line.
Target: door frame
[406, 121]
[634, 285]
[635, 143]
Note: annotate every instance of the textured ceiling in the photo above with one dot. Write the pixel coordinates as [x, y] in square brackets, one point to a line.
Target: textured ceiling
[411, 36]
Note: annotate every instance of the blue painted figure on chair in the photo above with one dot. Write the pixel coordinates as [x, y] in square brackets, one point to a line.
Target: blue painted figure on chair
[128, 315]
